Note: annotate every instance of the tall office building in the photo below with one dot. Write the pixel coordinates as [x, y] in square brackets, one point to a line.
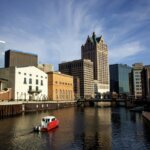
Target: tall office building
[83, 69]
[20, 59]
[2, 48]
[119, 78]
[96, 50]
[135, 80]
[145, 75]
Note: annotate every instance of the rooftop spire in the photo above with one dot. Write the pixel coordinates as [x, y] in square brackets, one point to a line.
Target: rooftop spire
[94, 35]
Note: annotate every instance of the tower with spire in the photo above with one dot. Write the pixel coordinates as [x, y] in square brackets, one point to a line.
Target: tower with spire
[96, 50]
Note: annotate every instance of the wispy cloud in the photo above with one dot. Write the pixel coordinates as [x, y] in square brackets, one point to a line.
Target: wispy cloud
[56, 29]
[122, 52]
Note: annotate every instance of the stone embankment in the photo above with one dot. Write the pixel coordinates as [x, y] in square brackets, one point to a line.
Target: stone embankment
[14, 108]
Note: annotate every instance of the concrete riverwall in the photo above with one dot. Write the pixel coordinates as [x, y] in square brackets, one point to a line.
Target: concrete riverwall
[11, 109]
[14, 108]
[37, 106]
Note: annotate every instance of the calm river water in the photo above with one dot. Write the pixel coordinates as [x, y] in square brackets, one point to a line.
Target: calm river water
[80, 129]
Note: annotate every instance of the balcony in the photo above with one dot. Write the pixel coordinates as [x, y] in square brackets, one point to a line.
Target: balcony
[33, 91]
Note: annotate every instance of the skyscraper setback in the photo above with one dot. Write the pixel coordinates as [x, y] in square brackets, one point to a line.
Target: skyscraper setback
[96, 50]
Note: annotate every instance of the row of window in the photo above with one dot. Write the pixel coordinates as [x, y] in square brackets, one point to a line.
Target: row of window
[31, 75]
[62, 94]
[63, 83]
[30, 81]
[36, 88]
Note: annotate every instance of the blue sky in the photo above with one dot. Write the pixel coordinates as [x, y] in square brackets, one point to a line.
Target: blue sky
[56, 29]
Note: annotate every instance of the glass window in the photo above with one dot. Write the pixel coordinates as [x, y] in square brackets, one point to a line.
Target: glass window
[30, 88]
[25, 81]
[30, 81]
[41, 82]
[53, 119]
[37, 81]
[37, 88]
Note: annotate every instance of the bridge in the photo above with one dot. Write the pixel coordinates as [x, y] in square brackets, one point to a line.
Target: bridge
[92, 102]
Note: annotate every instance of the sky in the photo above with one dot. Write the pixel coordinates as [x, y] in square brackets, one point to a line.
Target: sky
[56, 29]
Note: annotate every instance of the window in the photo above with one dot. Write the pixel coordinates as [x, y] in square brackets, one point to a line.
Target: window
[53, 119]
[30, 75]
[24, 73]
[19, 72]
[37, 81]
[30, 81]
[30, 88]
[25, 81]
[37, 88]
[41, 82]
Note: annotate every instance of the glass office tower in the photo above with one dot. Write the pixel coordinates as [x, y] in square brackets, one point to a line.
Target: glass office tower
[119, 78]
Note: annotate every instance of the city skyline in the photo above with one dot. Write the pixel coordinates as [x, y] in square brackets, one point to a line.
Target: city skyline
[55, 30]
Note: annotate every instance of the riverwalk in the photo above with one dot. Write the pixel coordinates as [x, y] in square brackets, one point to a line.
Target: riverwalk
[17, 107]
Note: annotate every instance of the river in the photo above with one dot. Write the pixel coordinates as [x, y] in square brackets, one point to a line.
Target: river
[80, 129]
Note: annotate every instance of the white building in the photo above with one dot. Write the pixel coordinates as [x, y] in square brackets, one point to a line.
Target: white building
[137, 85]
[27, 83]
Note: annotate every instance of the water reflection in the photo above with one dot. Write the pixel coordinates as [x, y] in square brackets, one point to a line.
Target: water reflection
[80, 129]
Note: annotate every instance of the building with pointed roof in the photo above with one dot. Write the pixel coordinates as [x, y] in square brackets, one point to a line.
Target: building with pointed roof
[96, 50]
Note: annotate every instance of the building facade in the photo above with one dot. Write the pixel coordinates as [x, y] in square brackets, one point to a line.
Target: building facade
[96, 50]
[135, 80]
[20, 59]
[119, 78]
[27, 83]
[60, 86]
[145, 75]
[46, 67]
[76, 81]
[2, 49]
[83, 69]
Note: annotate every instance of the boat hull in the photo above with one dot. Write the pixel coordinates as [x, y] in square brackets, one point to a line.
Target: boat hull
[51, 126]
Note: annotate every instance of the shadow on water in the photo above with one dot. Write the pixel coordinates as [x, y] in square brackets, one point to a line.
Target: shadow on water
[79, 129]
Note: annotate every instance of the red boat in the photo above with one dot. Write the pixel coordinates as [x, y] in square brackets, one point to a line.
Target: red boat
[47, 123]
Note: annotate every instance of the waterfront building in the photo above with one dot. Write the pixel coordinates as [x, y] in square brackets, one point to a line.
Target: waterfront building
[20, 59]
[145, 75]
[2, 49]
[60, 86]
[83, 69]
[96, 50]
[119, 78]
[76, 81]
[46, 67]
[27, 83]
[135, 80]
